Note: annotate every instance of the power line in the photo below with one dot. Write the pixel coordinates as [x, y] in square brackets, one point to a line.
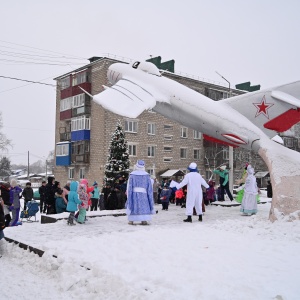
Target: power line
[41, 63]
[40, 49]
[10, 53]
[27, 128]
[13, 78]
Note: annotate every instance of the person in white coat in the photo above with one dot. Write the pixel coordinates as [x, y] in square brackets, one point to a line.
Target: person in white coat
[194, 181]
[249, 202]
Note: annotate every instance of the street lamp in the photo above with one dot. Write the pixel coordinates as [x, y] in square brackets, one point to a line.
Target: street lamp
[230, 147]
[227, 81]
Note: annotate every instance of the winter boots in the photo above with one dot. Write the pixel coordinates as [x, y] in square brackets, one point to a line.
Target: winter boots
[144, 223]
[188, 219]
[71, 223]
[200, 218]
[71, 219]
[130, 222]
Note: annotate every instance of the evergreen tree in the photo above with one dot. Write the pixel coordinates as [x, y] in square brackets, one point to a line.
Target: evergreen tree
[5, 167]
[118, 158]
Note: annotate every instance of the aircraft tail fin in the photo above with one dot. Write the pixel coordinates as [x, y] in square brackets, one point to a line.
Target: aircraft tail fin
[272, 110]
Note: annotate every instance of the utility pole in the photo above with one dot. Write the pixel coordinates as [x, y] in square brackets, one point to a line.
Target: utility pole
[46, 169]
[28, 167]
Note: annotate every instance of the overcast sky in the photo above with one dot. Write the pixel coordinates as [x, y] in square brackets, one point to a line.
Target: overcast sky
[256, 41]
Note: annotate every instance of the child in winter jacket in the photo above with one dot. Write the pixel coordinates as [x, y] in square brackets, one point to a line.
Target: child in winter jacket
[14, 197]
[84, 197]
[179, 195]
[165, 197]
[73, 201]
[210, 192]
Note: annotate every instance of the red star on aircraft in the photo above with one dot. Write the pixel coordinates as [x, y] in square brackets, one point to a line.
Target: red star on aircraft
[262, 107]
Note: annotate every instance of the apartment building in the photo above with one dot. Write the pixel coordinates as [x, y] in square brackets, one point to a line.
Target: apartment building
[83, 128]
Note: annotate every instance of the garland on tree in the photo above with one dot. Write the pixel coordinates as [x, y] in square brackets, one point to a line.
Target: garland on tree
[118, 159]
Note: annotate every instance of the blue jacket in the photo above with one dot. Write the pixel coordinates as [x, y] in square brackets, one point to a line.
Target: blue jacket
[60, 205]
[73, 199]
[165, 195]
[95, 193]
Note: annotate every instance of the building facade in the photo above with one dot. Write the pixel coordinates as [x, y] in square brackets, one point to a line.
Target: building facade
[83, 128]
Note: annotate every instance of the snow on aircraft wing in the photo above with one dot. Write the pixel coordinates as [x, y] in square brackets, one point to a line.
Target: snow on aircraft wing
[128, 98]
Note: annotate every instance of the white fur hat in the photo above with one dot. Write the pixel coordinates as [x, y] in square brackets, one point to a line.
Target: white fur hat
[140, 165]
[13, 182]
[223, 168]
[193, 166]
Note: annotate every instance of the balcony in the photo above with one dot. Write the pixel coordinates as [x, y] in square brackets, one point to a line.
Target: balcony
[75, 90]
[81, 158]
[82, 110]
[65, 136]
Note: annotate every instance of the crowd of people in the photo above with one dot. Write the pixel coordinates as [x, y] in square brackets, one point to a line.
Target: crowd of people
[137, 195]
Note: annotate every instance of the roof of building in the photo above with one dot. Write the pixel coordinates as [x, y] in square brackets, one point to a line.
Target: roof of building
[261, 174]
[171, 173]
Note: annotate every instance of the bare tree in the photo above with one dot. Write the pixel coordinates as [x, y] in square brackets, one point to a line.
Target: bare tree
[5, 143]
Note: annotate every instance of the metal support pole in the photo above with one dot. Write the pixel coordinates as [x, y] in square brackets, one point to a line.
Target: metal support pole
[231, 169]
[28, 167]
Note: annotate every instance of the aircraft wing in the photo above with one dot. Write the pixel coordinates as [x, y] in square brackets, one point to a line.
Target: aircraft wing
[129, 98]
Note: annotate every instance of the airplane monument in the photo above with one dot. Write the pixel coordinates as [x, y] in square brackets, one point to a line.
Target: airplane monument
[249, 121]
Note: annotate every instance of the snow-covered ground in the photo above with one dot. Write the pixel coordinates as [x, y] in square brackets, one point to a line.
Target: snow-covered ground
[227, 256]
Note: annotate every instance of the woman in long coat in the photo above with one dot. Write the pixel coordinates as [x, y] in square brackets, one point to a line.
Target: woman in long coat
[140, 204]
[249, 202]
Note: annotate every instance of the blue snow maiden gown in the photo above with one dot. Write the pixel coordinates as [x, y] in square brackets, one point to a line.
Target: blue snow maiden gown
[140, 204]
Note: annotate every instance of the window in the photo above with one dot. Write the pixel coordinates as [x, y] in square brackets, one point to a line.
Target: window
[215, 95]
[80, 78]
[65, 104]
[197, 135]
[151, 128]
[151, 151]
[150, 171]
[167, 159]
[183, 152]
[168, 137]
[226, 154]
[197, 154]
[78, 100]
[131, 126]
[288, 142]
[225, 95]
[81, 173]
[71, 173]
[168, 148]
[132, 149]
[80, 123]
[62, 149]
[65, 83]
[168, 126]
[184, 132]
[82, 147]
[207, 174]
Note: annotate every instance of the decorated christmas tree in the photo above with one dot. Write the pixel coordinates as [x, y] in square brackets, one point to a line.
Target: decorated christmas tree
[118, 159]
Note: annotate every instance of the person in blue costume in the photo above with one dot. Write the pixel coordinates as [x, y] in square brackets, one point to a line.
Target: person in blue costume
[140, 204]
[14, 195]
